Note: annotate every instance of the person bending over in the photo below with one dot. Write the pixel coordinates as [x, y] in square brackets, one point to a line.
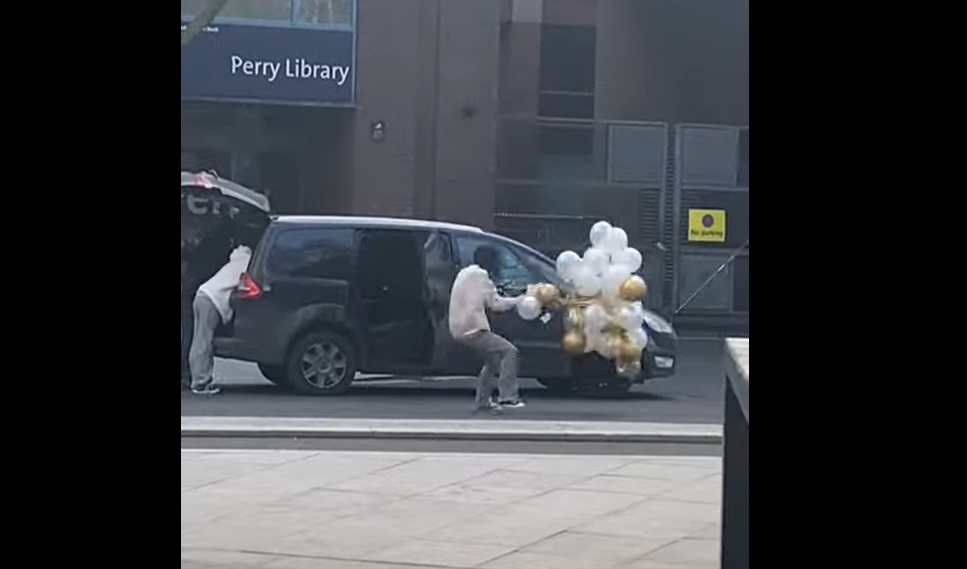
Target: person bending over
[474, 293]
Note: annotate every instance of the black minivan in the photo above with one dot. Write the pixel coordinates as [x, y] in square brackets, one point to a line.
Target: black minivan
[326, 297]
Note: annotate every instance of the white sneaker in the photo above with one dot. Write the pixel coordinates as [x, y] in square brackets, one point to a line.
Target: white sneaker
[490, 405]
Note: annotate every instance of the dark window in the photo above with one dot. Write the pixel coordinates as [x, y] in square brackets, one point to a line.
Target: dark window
[567, 58]
[312, 253]
[279, 180]
[565, 153]
[566, 105]
[740, 285]
[207, 160]
[743, 180]
[510, 269]
[390, 262]
[571, 140]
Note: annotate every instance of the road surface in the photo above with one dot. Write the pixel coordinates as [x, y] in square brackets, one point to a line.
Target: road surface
[693, 395]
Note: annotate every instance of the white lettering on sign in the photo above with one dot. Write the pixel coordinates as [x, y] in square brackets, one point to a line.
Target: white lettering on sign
[295, 68]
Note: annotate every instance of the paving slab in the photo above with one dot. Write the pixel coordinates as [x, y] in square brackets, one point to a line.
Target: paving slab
[363, 510]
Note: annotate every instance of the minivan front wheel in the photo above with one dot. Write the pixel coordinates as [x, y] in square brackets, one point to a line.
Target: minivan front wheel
[321, 363]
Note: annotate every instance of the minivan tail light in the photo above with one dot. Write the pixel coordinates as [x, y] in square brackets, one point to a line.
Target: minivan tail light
[248, 288]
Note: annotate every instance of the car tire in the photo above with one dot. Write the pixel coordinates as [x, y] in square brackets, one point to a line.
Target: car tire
[560, 386]
[321, 363]
[274, 373]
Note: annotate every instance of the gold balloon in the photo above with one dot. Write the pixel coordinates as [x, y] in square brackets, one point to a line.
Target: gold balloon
[627, 350]
[575, 318]
[546, 293]
[573, 343]
[634, 288]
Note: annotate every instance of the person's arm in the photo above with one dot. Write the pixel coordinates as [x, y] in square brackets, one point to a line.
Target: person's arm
[496, 302]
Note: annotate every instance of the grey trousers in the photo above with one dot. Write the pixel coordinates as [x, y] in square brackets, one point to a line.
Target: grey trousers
[201, 358]
[498, 354]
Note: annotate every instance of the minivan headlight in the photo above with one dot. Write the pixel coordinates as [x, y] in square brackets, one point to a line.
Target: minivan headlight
[657, 323]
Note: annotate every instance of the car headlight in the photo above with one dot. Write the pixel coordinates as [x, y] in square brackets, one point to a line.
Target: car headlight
[657, 323]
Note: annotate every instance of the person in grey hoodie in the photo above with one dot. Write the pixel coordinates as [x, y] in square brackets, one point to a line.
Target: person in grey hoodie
[210, 308]
[472, 294]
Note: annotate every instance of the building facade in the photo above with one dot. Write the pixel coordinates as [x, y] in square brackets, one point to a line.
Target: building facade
[534, 117]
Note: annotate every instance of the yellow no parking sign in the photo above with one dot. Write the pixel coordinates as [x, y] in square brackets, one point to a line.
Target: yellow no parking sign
[706, 225]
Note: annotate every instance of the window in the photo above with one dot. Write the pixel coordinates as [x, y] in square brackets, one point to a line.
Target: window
[566, 105]
[323, 11]
[567, 58]
[566, 152]
[206, 159]
[312, 253]
[510, 270]
[567, 71]
[266, 10]
[301, 11]
[389, 262]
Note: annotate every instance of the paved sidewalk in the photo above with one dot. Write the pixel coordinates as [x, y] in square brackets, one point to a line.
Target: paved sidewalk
[362, 510]
[485, 427]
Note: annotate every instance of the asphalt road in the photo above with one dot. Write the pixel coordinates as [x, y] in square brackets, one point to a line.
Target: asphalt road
[693, 395]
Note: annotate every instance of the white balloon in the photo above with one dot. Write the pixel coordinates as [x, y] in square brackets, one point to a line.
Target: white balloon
[529, 308]
[642, 337]
[596, 259]
[599, 231]
[586, 281]
[594, 318]
[631, 317]
[615, 240]
[611, 280]
[593, 342]
[629, 257]
[566, 263]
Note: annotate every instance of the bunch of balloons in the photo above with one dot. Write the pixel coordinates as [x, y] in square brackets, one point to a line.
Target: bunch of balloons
[605, 313]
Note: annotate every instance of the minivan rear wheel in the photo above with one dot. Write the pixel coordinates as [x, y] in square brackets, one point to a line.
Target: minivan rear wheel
[321, 363]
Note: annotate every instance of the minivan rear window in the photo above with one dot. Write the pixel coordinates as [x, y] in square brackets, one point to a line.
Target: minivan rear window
[324, 253]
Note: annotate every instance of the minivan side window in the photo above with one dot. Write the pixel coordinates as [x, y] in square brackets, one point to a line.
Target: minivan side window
[324, 253]
[510, 269]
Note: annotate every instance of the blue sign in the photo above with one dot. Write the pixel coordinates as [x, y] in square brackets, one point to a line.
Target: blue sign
[269, 64]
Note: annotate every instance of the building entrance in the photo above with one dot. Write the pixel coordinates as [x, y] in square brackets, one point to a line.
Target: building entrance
[290, 154]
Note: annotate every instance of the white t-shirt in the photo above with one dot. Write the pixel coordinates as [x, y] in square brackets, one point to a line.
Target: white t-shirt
[473, 293]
